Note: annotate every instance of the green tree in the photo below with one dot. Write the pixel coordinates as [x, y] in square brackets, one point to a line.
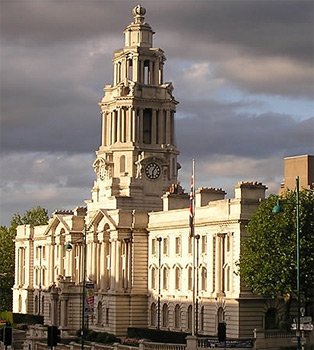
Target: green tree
[6, 266]
[34, 217]
[268, 254]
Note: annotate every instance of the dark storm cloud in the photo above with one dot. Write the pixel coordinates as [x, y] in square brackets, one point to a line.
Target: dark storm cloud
[219, 130]
[280, 28]
[56, 58]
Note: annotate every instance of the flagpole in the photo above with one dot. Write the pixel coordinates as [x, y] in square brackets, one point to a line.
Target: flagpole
[192, 236]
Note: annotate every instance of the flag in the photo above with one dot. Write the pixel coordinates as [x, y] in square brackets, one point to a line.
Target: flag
[192, 194]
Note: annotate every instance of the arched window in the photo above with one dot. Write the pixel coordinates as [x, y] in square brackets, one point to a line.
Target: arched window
[177, 278]
[202, 318]
[165, 278]
[165, 315]
[153, 314]
[204, 278]
[36, 305]
[99, 313]
[177, 316]
[122, 164]
[153, 276]
[271, 319]
[190, 278]
[189, 318]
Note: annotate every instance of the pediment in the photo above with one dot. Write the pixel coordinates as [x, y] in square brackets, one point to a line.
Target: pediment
[55, 222]
[102, 220]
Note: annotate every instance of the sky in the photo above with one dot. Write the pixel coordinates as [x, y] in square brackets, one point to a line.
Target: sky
[242, 72]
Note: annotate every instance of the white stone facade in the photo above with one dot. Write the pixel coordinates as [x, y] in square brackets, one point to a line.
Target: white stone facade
[138, 249]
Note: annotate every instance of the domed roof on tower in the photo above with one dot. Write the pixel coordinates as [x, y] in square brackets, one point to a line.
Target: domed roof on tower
[139, 33]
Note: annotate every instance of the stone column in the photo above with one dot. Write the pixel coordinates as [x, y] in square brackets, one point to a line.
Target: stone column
[108, 129]
[61, 261]
[156, 72]
[64, 312]
[135, 69]
[141, 126]
[218, 267]
[160, 72]
[128, 124]
[89, 259]
[93, 256]
[134, 131]
[150, 73]
[118, 116]
[113, 259]
[123, 125]
[102, 265]
[113, 125]
[154, 126]
[104, 130]
[118, 266]
[114, 74]
[172, 133]
[141, 71]
[168, 127]
[18, 266]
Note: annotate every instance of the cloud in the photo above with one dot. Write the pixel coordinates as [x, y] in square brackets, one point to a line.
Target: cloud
[274, 75]
[224, 57]
[219, 129]
[52, 180]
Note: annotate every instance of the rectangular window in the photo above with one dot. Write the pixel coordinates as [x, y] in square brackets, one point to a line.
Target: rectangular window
[204, 244]
[166, 246]
[107, 315]
[44, 252]
[190, 245]
[178, 245]
[154, 244]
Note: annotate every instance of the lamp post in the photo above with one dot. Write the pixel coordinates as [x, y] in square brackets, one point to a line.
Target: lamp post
[159, 239]
[278, 209]
[69, 247]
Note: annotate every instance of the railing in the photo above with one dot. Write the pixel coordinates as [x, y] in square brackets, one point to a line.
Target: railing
[161, 346]
[279, 334]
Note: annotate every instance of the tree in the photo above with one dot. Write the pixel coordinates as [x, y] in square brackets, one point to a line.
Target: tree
[268, 254]
[34, 217]
[6, 267]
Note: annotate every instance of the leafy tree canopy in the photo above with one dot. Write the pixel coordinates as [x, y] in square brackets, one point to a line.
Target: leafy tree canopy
[268, 261]
[35, 216]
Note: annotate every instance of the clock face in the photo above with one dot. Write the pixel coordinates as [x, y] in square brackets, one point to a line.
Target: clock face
[152, 171]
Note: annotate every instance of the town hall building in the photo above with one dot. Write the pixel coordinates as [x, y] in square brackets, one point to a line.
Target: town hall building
[131, 242]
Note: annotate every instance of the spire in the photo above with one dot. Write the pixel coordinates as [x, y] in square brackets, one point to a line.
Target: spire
[139, 33]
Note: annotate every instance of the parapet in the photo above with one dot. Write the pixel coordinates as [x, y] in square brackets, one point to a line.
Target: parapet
[176, 198]
[250, 190]
[204, 195]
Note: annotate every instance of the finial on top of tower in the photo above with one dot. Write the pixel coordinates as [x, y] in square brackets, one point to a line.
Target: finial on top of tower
[138, 13]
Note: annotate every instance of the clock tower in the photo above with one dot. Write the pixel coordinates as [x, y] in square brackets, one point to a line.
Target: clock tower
[136, 162]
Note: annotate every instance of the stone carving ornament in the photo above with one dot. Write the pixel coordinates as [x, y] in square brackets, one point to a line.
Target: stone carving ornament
[103, 168]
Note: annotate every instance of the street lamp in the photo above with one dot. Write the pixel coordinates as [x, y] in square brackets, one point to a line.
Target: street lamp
[279, 209]
[68, 247]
